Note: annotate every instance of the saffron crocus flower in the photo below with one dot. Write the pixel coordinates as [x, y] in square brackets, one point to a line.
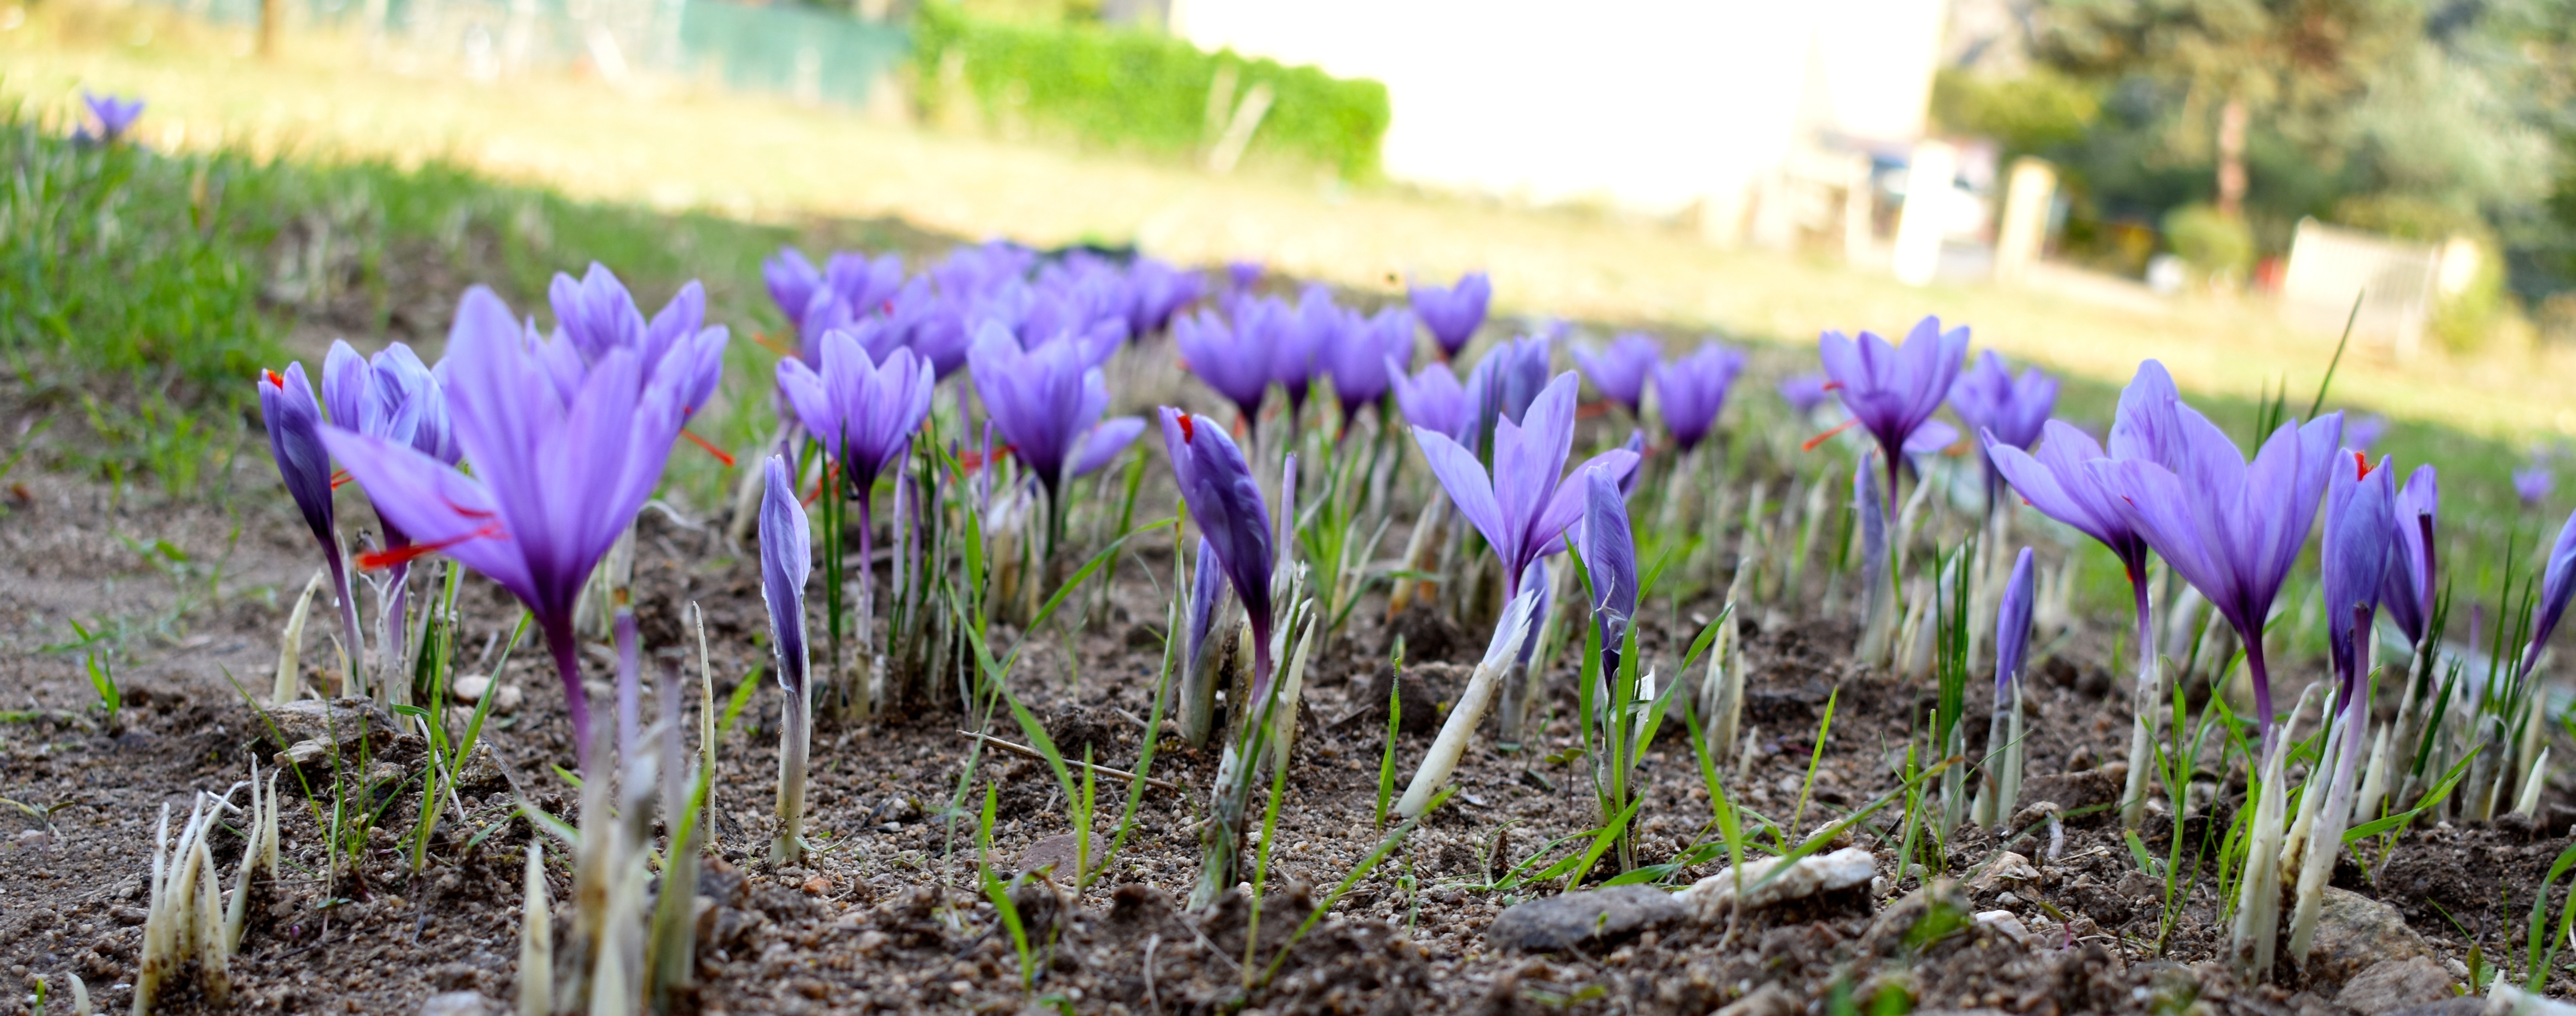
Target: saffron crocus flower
[1430, 398]
[863, 411]
[1892, 391]
[562, 463]
[597, 315]
[1610, 561]
[2353, 555]
[1503, 383]
[2235, 528]
[1368, 358]
[1692, 390]
[1227, 357]
[2001, 408]
[1198, 679]
[792, 281]
[1047, 402]
[1618, 371]
[1454, 313]
[1224, 501]
[395, 397]
[294, 422]
[2002, 785]
[2531, 483]
[2410, 587]
[1302, 340]
[115, 115]
[786, 560]
[1803, 393]
[1524, 505]
[1244, 275]
[1157, 291]
[2557, 585]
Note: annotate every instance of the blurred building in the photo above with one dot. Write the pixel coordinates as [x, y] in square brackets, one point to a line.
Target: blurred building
[1713, 106]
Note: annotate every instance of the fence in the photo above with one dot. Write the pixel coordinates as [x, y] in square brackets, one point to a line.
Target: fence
[809, 55]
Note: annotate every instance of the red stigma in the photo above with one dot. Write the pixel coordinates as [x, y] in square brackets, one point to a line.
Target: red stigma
[1828, 435]
[1591, 409]
[338, 478]
[711, 449]
[376, 560]
[273, 379]
[1832, 386]
[1189, 430]
[2361, 467]
[763, 340]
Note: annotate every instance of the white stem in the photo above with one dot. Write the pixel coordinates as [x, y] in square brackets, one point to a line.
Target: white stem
[291, 646]
[2325, 837]
[2374, 779]
[536, 940]
[1470, 710]
[2528, 805]
[2258, 906]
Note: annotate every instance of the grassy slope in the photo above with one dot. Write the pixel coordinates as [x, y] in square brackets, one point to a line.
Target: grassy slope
[318, 199]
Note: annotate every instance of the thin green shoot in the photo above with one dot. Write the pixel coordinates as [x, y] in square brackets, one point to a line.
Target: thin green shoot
[1824, 730]
[999, 893]
[1394, 719]
[2543, 947]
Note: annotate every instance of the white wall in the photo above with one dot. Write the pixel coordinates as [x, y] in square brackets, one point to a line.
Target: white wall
[1648, 104]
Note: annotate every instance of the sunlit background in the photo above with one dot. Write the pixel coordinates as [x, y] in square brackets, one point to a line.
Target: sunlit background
[2222, 184]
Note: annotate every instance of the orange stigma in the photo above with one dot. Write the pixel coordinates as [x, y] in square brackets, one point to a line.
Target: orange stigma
[1828, 435]
[274, 379]
[2361, 467]
[338, 478]
[377, 560]
[711, 449]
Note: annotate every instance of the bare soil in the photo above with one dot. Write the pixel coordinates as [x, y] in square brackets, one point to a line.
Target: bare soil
[887, 917]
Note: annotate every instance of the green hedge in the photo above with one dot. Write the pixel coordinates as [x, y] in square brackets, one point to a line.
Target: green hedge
[1138, 91]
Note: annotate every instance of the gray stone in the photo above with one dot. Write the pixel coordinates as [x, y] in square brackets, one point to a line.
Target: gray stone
[2355, 933]
[339, 721]
[460, 1003]
[2465, 1005]
[1572, 919]
[1058, 855]
[1767, 1000]
[2395, 984]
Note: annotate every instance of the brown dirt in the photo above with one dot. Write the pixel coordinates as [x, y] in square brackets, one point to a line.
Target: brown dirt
[886, 916]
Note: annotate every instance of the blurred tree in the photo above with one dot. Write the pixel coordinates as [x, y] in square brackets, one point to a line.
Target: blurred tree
[2299, 64]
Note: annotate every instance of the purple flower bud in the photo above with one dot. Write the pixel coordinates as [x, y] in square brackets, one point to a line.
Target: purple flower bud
[2409, 588]
[1610, 560]
[1368, 358]
[1430, 399]
[1207, 584]
[792, 281]
[2012, 627]
[1803, 392]
[1226, 358]
[2557, 584]
[294, 422]
[1619, 371]
[2532, 483]
[1453, 314]
[2360, 514]
[1990, 399]
[115, 115]
[1692, 390]
[786, 559]
[1223, 500]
